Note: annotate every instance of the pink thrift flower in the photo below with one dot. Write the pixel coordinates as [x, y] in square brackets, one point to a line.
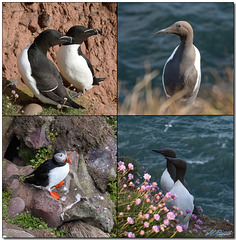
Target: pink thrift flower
[170, 216]
[166, 222]
[155, 228]
[168, 195]
[142, 233]
[130, 176]
[131, 184]
[188, 211]
[138, 201]
[120, 163]
[147, 176]
[122, 168]
[146, 224]
[174, 196]
[59, 106]
[154, 184]
[130, 220]
[131, 166]
[16, 95]
[13, 92]
[143, 188]
[131, 235]
[146, 216]
[199, 222]
[156, 217]
[179, 228]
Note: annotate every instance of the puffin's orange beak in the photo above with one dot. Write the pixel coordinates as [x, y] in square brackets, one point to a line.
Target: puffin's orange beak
[69, 160]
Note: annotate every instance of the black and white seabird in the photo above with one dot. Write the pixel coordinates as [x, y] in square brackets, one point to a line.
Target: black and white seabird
[184, 199]
[169, 175]
[40, 74]
[182, 71]
[73, 64]
[51, 173]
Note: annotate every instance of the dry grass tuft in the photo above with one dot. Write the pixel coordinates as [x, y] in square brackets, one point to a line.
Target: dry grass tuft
[145, 100]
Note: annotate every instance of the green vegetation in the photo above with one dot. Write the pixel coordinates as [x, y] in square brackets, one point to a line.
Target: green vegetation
[143, 99]
[25, 220]
[112, 121]
[4, 163]
[9, 107]
[52, 134]
[40, 156]
[112, 189]
[13, 103]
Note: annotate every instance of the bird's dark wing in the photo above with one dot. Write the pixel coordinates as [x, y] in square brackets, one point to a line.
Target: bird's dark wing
[40, 175]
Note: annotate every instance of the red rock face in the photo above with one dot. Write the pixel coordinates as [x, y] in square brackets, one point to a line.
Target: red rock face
[22, 22]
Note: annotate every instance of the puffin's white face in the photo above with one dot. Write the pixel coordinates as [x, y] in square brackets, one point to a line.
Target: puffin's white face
[60, 157]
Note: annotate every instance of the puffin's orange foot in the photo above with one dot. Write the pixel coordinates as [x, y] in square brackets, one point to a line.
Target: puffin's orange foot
[55, 195]
[60, 183]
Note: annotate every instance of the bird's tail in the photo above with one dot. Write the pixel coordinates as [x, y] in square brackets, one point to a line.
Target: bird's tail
[96, 81]
[71, 103]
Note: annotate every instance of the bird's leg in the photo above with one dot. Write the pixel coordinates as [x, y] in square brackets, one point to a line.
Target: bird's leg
[55, 194]
[60, 184]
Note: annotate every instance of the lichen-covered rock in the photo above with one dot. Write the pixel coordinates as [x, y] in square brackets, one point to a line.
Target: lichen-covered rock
[78, 229]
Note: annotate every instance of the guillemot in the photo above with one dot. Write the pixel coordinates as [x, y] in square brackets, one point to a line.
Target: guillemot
[169, 175]
[184, 200]
[182, 71]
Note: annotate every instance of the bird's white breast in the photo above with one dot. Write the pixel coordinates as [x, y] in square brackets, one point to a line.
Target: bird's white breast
[184, 201]
[26, 73]
[74, 67]
[167, 182]
[197, 65]
[58, 174]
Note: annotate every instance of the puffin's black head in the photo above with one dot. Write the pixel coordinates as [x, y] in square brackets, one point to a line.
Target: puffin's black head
[178, 162]
[166, 152]
[80, 33]
[181, 28]
[50, 37]
[61, 158]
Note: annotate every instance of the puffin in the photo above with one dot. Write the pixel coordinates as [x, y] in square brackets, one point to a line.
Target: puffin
[51, 173]
[182, 71]
[40, 74]
[184, 199]
[74, 66]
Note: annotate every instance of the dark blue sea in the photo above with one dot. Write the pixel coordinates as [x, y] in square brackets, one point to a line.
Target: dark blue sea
[205, 142]
[137, 42]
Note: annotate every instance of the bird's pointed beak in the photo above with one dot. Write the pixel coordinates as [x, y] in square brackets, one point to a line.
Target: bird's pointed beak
[156, 150]
[92, 31]
[66, 39]
[170, 29]
[69, 161]
[165, 30]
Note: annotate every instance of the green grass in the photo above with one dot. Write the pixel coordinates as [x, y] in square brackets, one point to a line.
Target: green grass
[25, 220]
[12, 106]
[112, 121]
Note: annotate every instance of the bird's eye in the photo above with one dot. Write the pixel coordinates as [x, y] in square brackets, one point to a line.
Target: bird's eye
[178, 25]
